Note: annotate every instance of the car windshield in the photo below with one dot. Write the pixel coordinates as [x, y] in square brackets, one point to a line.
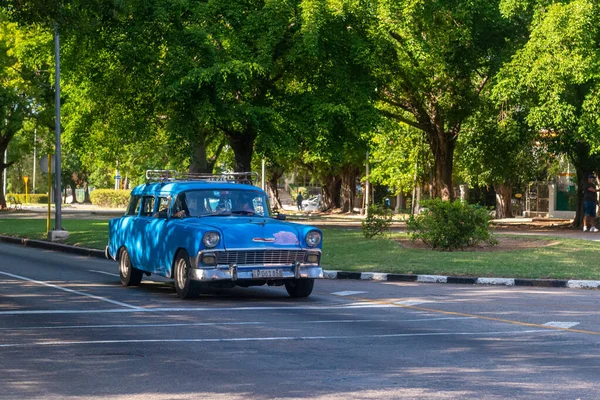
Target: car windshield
[201, 203]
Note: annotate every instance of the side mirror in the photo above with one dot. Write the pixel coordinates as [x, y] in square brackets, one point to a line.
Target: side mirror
[281, 217]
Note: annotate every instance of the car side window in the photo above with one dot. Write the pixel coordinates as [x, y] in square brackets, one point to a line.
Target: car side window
[134, 206]
[163, 207]
[147, 206]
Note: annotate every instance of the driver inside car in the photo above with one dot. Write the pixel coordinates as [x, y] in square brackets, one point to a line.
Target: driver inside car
[244, 204]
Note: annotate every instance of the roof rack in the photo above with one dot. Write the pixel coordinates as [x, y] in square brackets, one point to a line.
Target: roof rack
[166, 175]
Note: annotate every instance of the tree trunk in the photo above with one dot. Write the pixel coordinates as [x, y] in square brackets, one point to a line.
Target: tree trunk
[399, 202]
[2, 194]
[581, 186]
[198, 159]
[584, 164]
[72, 186]
[272, 189]
[503, 200]
[442, 145]
[331, 188]
[3, 170]
[242, 144]
[86, 198]
[348, 188]
[212, 161]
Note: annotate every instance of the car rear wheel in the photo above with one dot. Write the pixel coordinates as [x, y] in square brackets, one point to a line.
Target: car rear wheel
[299, 288]
[185, 287]
[130, 276]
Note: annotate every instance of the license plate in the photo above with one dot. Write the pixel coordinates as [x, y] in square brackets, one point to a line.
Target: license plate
[267, 273]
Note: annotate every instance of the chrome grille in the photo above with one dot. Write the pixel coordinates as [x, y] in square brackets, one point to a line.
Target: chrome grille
[261, 257]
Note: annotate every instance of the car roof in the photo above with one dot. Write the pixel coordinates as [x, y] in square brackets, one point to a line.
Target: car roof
[173, 188]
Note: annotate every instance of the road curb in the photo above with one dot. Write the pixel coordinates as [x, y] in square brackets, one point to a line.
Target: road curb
[467, 280]
[65, 248]
[332, 274]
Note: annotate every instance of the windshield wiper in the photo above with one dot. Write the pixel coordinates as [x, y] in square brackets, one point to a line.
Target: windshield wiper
[242, 212]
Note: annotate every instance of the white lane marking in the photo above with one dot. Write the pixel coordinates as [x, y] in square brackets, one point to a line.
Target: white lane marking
[412, 302]
[193, 309]
[105, 273]
[340, 321]
[266, 339]
[71, 291]
[559, 324]
[347, 293]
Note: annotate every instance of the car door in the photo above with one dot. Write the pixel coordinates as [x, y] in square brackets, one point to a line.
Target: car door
[139, 250]
[121, 229]
[156, 233]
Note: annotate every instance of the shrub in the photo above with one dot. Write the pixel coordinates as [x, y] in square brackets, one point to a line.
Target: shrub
[451, 225]
[110, 198]
[33, 198]
[378, 221]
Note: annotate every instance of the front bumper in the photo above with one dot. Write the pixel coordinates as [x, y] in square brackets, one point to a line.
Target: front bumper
[234, 272]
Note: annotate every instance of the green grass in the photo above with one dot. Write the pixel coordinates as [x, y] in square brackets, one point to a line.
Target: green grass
[85, 233]
[348, 250]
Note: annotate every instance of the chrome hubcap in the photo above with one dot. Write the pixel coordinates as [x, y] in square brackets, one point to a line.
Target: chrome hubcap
[181, 273]
[124, 263]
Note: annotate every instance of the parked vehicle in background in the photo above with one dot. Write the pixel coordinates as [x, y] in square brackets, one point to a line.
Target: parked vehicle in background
[212, 230]
[312, 204]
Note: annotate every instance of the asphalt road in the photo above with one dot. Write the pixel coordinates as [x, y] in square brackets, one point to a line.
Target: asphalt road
[69, 330]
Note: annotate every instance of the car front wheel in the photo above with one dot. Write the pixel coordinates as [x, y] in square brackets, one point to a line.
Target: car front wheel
[130, 276]
[298, 288]
[185, 287]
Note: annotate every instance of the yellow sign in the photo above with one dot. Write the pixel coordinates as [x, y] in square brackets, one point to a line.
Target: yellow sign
[26, 179]
[518, 195]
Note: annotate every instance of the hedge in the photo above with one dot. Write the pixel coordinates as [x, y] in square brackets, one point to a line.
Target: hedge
[110, 198]
[33, 198]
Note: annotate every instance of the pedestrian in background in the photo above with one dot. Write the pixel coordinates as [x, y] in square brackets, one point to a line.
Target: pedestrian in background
[589, 204]
[299, 201]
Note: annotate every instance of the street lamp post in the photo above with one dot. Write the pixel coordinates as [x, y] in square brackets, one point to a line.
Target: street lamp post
[34, 158]
[5, 172]
[58, 233]
[58, 190]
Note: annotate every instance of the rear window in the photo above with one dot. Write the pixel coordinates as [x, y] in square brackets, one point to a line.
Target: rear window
[147, 206]
[134, 206]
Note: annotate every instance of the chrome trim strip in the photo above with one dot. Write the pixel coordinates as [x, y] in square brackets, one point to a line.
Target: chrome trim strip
[208, 275]
[266, 248]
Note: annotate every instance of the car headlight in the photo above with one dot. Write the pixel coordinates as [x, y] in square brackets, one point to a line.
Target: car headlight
[211, 239]
[313, 238]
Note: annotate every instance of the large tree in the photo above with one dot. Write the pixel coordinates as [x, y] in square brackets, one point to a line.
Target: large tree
[434, 60]
[21, 85]
[555, 80]
[501, 154]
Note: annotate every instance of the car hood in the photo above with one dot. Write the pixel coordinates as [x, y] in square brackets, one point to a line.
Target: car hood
[251, 232]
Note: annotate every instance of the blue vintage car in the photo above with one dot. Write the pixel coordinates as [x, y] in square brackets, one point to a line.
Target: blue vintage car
[211, 230]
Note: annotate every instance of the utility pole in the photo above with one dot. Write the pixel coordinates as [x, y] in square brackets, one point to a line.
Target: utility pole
[5, 171]
[34, 158]
[58, 233]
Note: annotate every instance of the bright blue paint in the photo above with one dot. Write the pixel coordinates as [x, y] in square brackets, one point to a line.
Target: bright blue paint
[153, 242]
